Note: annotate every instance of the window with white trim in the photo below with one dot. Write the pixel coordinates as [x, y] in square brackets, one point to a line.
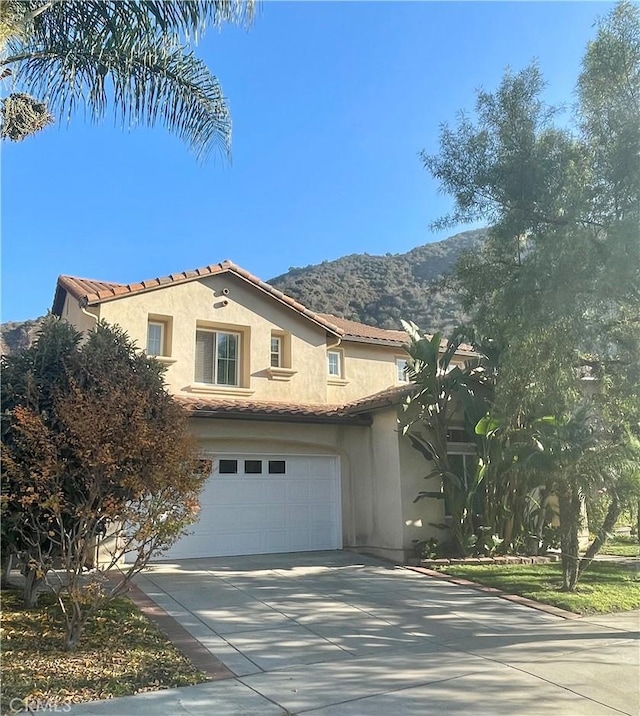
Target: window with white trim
[155, 338]
[334, 359]
[463, 459]
[276, 352]
[228, 467]
[401, 370]
[159, 335]
[217, 357]
[464, 467]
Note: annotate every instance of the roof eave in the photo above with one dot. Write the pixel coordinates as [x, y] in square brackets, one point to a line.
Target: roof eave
[58, 301]
[374, 341]
[337, 419]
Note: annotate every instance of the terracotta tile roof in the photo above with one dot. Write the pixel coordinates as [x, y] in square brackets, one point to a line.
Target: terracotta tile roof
[348, 412]
[362, 333]
[389, 396]
[83, 287]
[226, 407]
[90, 292]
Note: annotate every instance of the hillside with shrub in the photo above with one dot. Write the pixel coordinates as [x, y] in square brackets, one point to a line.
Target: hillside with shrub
[382, 290]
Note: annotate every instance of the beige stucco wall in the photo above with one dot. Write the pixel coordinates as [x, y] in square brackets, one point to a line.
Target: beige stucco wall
[419, 517]
[203, 303]
[368, 369]
[375, 484]
[72, 313]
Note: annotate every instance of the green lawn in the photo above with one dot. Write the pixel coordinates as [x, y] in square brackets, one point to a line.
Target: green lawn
[622, 547]
[602, 588]
[121, 653]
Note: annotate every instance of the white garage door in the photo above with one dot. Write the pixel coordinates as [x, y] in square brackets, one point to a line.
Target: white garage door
[256, 504]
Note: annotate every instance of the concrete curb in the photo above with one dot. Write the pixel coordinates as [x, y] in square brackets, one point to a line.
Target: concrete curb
[524, 601]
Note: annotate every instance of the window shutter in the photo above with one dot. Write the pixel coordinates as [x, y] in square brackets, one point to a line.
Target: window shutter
[205, 341]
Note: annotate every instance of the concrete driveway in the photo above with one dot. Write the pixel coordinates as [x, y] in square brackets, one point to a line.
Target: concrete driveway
[338, 633]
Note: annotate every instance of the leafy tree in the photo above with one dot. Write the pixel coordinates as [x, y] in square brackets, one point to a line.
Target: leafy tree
[579, 455]
[557, 284]
[31, 379]
[130, 53]
[98, 465]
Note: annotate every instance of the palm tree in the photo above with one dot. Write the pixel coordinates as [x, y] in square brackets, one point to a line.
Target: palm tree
[132, 55]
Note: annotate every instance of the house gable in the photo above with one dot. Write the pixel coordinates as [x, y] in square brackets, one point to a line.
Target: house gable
[90, 292]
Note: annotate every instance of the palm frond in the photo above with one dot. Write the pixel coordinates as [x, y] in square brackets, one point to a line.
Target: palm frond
[89, 53]
[46, 21]
[157, 82]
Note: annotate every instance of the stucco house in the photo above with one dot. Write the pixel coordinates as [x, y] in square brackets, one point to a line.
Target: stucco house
[295, 412]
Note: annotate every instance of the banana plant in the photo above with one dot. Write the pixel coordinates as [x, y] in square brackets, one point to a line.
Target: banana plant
[446, 391]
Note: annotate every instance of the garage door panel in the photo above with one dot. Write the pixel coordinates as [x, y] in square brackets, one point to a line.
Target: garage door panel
[321, 535]
[322, 491]
[229, 543]
[298, 516]
[267, 512]
[277, 541]
[300, 540]
[222, 492]
[319, 517]
[276, 516]
[274, 491]
[298, 493]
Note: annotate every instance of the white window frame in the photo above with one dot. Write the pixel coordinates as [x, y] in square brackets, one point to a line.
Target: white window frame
[401, 370]
[238, 359]
[163, 328]
[278, 354]
[340, 372]
[468, 451]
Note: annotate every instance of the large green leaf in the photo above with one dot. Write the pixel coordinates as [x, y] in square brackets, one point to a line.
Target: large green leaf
[486, 426]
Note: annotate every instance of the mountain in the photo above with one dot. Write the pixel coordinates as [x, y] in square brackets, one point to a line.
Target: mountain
[379, 290]
[15, 336]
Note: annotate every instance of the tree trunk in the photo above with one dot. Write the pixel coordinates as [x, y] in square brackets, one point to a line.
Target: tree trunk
[607, 526]
[31, 584]
[569, 503]
[507, 531]
[74, 632]
[7, 563]
[75, 625]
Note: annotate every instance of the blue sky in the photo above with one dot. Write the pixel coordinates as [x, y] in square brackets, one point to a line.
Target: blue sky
[331, 103]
